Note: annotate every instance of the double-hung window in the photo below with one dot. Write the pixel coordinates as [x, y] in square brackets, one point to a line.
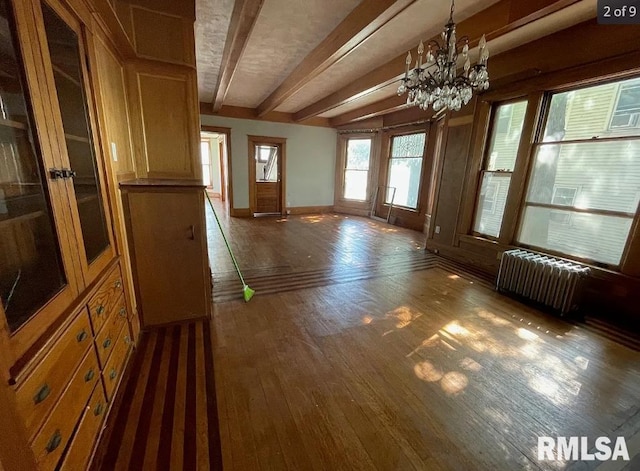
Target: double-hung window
[495, 177]
[405, 170]
[356, 171]
[584, 184]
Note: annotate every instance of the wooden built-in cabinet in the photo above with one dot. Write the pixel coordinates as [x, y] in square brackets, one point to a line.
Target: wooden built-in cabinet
[65, 308]
[86, 102]
[167, 235]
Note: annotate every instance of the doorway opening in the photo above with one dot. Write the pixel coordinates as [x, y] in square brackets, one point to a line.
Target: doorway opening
[215, 156]
[267, 175]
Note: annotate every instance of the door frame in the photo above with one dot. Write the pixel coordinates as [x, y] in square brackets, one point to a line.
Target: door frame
[282, 160]
[226, 180]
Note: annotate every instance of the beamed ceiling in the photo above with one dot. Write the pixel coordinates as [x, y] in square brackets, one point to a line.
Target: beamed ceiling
[342, 59]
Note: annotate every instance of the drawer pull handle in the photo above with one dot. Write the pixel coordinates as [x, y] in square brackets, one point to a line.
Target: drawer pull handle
[89, 376]
[117, 284]
[100, 309]
[123, 312]
[42, 394]
[113, 374]
[127, 340]
[98, 410]
[54, 442]
[106, 344]
[81, 336]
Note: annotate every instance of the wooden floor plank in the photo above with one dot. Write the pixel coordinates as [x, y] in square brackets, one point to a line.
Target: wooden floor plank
[420, 369]
[157, 406]
[202, 425]
[126, 450]
[177, 442]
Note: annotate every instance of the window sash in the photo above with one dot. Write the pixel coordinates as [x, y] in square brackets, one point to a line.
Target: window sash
[391, 158]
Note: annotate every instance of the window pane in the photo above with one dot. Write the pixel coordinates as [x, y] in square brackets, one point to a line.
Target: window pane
[404, 176]
[355, 184]
[358, 154]
[598, 175]
[505, 138]
[587, 113]
[411, 145]
[592, 236]
[31, 269]
[491, 203]
[66, 60]
[204, 152]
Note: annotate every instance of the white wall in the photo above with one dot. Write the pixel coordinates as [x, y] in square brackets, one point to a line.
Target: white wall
[310, 166]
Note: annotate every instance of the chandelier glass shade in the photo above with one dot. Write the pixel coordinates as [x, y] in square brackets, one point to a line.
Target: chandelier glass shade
[436, 82]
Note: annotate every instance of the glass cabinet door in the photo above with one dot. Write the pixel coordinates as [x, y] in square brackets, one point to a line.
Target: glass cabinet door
[32, 271]
[68, 73]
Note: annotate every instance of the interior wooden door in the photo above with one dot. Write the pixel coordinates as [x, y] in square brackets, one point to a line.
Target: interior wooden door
[267, 177]
[267, 182]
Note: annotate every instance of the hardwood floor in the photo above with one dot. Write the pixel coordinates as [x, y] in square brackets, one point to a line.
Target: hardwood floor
[168, 416]
[360, 351]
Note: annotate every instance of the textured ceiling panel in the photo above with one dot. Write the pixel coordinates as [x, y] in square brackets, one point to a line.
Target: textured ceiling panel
[365, 100]
[285, 32]
[423, 19]
[558, 21]
[212, 24]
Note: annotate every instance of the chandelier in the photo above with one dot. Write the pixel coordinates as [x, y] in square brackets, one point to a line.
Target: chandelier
[438, 83]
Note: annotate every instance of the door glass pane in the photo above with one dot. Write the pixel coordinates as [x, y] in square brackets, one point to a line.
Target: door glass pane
[31, 269]
[65, 58]
[266, 163]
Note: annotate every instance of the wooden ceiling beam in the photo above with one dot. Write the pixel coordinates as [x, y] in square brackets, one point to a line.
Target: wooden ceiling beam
[244, 16]
[388, 105]
[367, 18]
[499, 19]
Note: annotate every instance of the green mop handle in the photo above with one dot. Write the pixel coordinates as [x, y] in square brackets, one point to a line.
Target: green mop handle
[235, 263]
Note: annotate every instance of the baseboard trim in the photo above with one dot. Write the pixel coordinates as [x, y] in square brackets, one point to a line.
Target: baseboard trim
[241, 213]
[310, 210]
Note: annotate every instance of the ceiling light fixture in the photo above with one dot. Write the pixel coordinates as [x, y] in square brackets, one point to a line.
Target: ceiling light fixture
[437, 83]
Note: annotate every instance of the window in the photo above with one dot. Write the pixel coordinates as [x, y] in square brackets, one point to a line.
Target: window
[626, 113]
[405, 170]
[500, 161]
[562, 196]
[576, 152]
[356, 172]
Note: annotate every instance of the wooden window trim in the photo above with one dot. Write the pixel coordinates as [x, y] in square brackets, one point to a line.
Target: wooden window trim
[384, 174]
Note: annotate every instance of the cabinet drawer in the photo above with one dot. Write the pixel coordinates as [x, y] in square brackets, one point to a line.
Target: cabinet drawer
[102, 303]
[81, 447]
[40, 391]
[52, 439]
[106, 339]
[112, 372]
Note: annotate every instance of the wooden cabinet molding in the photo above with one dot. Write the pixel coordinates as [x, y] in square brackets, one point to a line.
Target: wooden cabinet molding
[165, 123]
